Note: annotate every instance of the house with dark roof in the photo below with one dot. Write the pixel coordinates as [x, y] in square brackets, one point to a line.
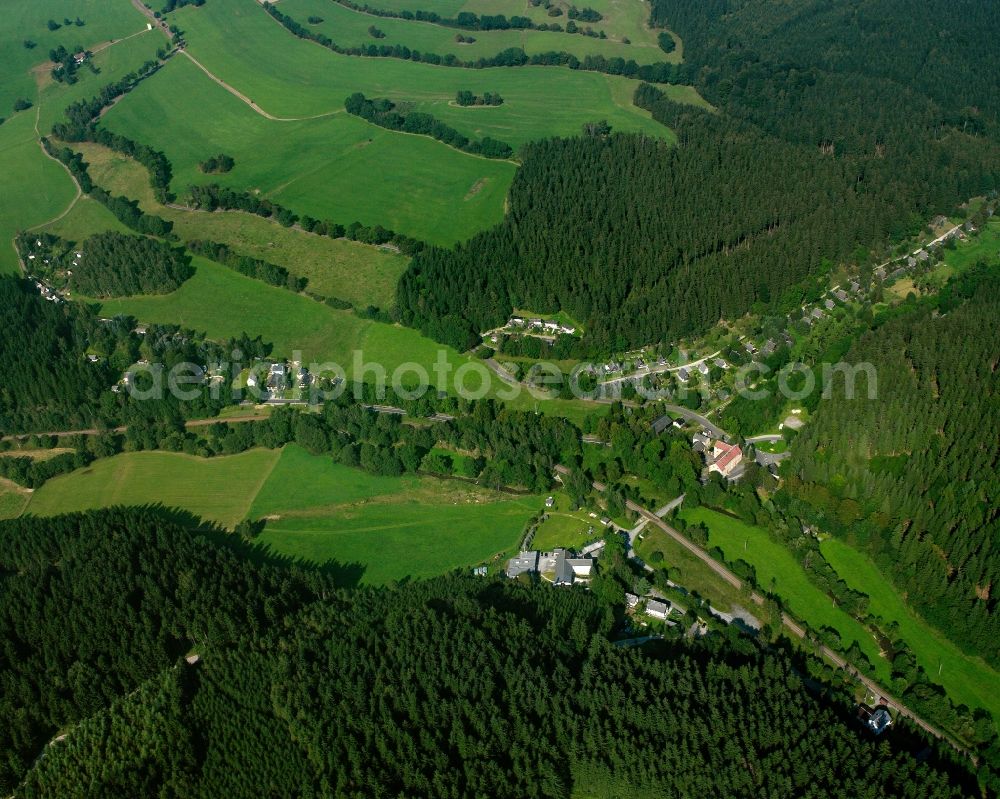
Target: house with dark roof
[524, 563]
[563, 573]
[876, 719]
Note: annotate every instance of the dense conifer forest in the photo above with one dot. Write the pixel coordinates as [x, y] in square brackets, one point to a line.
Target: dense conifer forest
[451, 687]
[911, 475]
[812, 153]
[117, 265]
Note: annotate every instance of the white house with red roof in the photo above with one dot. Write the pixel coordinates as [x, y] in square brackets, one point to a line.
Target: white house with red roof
[725, 458]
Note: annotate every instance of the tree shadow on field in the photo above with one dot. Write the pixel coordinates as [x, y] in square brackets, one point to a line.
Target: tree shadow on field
[345, 575]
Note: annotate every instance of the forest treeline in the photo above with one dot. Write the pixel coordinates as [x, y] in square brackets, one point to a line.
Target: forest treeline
[643, 243]
[911, 475]
[52, 383]
[313, 690]
[387, 114]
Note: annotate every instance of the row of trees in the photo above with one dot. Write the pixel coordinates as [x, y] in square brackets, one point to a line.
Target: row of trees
[125, 210]
[250, 267]
[466, 98]
[387, 114]
[511, 57]
[212, 197]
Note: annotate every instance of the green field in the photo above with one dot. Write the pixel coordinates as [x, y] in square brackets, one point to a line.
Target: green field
[217, 489]
[350, 29]
[565, 527]
[33, 187]
[85, 218]
[687, 570]
[230, 37]
[394, 527]
[300, 481]
[622, 18]
[112, 62]
[224, 304]
[359, 273]
[986, 245]
[338, 167]
[104, 20]
[778, 572]
[12, 500]
[967, 680]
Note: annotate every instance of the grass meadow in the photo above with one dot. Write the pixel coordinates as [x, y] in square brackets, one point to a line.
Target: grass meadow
[779, 573]
[27, 20]
[217, 489]
[337, 167]
[967, 680]
[359, 273]
[224, 304]
[349, 28]
[231, 36]
[395, 527]
[33, 187]
[13, 500]
[621, 18]
[315, 510]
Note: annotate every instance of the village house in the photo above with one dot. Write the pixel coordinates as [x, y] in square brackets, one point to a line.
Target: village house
[683, 375]
[817, 314]
[876, 719]
[631, 600]
[524, 563]
[769, 348]
[725, 458]
[841, 295]
[700, 442]
[657, 609]
[721, 363]
[277, 376]
[855, 286]
[703, 368]
[582, 567]
[830, 304]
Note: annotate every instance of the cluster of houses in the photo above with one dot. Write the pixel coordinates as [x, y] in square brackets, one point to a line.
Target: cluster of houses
[685, 373]
[549, 326]
[560, 566]
[278, 377]
[48, 292]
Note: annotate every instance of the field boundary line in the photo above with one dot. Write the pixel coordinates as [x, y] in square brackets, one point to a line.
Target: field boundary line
[240, 96]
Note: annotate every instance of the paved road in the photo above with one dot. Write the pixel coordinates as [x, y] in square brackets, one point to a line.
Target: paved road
[670, 506]
[656, 370]
[789, 623]
[692, 416]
